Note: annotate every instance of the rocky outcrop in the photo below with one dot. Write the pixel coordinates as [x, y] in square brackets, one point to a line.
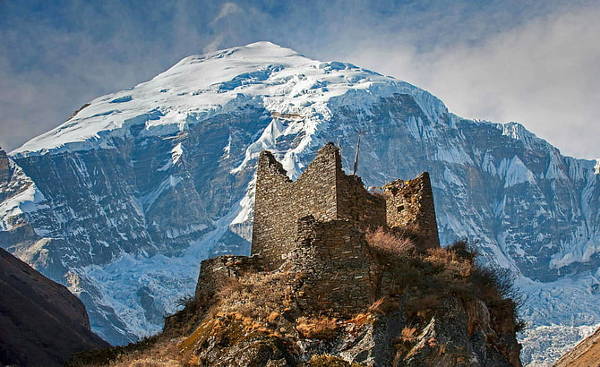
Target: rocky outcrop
[41, 322]
[338, 299]
[443, 312]
[585, 354]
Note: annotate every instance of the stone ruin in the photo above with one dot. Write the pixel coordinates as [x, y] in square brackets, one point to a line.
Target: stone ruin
[316, 226]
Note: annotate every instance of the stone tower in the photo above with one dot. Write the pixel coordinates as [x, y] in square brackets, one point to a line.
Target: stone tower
[327, 193]
[323, 191]
[409, 209]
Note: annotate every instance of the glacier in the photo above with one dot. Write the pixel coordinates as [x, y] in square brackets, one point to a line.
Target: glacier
[123, 200]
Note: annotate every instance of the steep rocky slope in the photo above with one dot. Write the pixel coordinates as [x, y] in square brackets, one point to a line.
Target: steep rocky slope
[122, 201]
[442, 310]
[41, 322]
[585, 354]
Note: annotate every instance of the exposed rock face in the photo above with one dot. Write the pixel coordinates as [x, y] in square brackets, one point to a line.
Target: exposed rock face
[41, 322]
[585, 354]
[122, 200]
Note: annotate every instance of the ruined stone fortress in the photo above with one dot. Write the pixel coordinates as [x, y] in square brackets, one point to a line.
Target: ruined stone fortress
[316, 226]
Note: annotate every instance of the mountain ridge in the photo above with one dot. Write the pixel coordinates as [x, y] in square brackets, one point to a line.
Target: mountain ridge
[35, 310]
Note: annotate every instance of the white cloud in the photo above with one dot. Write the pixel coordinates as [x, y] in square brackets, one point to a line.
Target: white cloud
[228, 9]
[545, 74]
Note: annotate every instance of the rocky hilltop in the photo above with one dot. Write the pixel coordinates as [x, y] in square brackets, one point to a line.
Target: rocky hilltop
[123, 200]
[359, 279]
[41, 322]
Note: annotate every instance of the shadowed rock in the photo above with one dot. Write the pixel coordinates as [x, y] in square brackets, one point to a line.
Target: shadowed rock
[41, 322]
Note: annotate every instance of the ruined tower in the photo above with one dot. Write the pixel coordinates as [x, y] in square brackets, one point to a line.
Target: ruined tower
[327, 193]
[316, 225]
[410, 210]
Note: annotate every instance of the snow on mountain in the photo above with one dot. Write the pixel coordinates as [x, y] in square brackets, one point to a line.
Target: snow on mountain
[123, 200]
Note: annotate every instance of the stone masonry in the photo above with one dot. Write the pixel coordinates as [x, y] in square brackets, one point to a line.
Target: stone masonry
[332, 257]
[327, 193]
[216, 272]
[409, 208]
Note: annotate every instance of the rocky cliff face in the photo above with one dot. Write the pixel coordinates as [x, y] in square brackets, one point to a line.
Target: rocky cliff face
[124, 199]
[41, 322]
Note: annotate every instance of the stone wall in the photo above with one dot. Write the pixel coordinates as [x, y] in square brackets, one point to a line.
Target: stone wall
[355, 203]
[333, 259]
[279, 202]
[215, 273]
[410, 210]
[323, 191]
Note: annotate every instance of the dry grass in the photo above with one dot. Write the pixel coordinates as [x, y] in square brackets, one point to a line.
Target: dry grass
[257, 295]
[408, 334]
[361, 319]
[149, 362]
[317, 328]
[164, 354]
[384, 305]
[387, 242]
[222, 328]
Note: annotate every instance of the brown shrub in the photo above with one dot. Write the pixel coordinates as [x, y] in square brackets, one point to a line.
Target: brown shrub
[463, 249]
[317, 328]
[256, 295]
[450, 262]
[387, 242]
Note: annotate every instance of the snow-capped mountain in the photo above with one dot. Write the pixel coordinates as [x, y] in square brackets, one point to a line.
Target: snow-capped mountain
[123, 200]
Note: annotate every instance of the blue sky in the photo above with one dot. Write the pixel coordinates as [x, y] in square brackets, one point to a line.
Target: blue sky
[536, 62]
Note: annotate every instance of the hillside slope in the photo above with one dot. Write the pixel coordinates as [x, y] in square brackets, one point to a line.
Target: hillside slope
[430, 307]
[41, 322]
[124, 199]
[585, 354]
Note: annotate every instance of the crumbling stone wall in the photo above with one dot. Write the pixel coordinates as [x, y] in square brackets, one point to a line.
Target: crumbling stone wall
[410, 210]
[333, 260]
[316, 225]
[355, 203]
[215, 273]
[323, 191]
[279, 202]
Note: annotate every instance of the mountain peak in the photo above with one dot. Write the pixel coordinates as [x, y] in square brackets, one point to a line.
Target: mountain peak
[201, 86]
[254, 52]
